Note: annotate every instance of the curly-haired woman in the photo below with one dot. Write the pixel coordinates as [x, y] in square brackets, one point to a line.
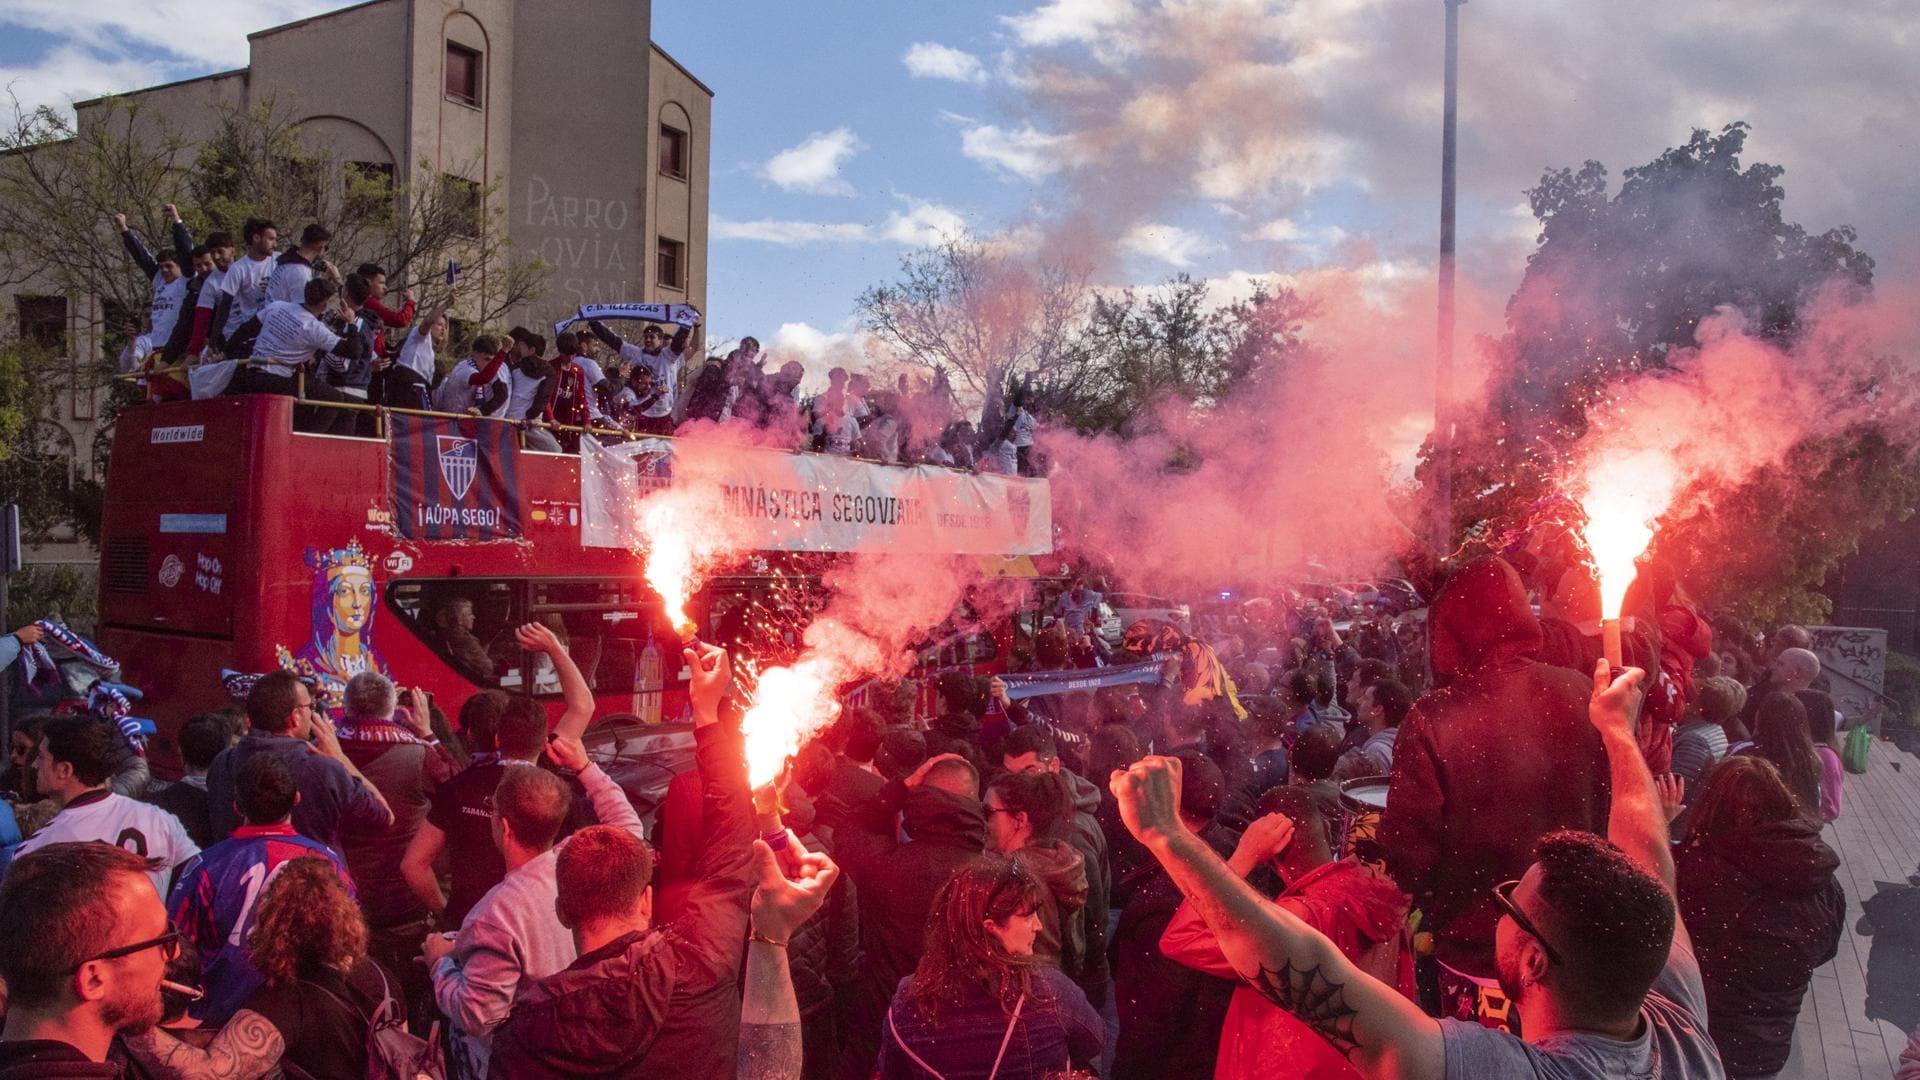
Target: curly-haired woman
[980, 1005]
[309, 941]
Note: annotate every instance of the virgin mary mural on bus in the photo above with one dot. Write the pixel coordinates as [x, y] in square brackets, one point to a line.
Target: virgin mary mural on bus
[339, 644]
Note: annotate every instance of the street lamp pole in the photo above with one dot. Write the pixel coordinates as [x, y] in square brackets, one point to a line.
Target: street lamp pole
[1443, 424]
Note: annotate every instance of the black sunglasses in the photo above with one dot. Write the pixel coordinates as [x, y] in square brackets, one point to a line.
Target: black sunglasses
[1503, 895]
[168, 944]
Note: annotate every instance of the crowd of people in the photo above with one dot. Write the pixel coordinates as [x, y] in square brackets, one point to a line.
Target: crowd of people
[1161, 880]
[255, 319]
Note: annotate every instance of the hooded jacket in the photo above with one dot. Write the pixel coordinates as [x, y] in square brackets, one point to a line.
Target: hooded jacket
[1764, 910]
[666, 997]
[894, 894]
[1499, 755]
[1063, 930]
[1365, 916]
[1091, 970]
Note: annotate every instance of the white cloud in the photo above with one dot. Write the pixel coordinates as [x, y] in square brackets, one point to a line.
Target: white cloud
[924, 224]
[818, 351]
[790, 233]
[921, 224]
[69, 73]
[1027, 153]
[1279, 231]
[814, 165]
[1169, 243]
[1058, 22]
[203, 32]
[932, 60]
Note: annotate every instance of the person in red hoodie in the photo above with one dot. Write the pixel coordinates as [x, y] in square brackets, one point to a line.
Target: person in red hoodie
[1354, 905]
[1496, 756]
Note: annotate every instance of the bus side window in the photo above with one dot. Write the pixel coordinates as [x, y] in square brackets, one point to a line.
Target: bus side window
[467, 622]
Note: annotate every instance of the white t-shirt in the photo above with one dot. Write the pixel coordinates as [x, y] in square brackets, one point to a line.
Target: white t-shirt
[141, 828]
[289, 280]
[521, 391]
[211, 289]
[417, 354]
[289, 336]
[167, 298]
[246, 281]
[136, 353]
[665, 366]
[1022, 428]
[457, 395]
[840, 435]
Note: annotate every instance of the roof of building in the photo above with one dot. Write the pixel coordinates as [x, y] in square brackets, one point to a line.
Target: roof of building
[167, 85]
[314, 18]
[668, 57]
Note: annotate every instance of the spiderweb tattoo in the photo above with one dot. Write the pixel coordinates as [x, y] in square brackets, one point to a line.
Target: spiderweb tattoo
[1317, 1000]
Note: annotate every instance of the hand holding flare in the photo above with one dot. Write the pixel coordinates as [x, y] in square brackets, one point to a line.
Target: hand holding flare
[1624, 493]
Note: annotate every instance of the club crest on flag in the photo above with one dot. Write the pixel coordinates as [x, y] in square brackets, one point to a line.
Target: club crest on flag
[1020, 504]
[459, 460]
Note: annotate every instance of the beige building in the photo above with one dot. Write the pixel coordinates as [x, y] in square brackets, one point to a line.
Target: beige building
[595, 138]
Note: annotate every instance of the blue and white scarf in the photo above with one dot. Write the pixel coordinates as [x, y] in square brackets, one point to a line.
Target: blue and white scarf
[678, 314]
[38, 663]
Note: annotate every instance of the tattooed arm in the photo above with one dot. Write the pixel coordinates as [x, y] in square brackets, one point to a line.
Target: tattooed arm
[1293, 965]
[247, 1046]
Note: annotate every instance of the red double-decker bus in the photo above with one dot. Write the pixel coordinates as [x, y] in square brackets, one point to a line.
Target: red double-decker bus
[231, 541]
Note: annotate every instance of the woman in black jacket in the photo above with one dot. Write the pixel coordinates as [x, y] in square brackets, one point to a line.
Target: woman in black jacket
[1758, 893]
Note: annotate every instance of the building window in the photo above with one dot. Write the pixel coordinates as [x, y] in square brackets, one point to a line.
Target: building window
[463, 75]
[464, 205]
[369, 188]
[43, 321]
[673, 152]
[671, 263]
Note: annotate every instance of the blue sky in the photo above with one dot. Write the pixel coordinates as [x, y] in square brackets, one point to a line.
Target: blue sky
[1226, 138]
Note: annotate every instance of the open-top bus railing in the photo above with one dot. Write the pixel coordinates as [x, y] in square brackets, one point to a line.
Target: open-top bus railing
[381, 411]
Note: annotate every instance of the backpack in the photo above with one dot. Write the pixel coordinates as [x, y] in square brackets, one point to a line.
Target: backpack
[1859, 742]
[393, 1052]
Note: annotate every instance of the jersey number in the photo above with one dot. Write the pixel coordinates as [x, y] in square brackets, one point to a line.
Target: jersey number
[253, 880]
[133, 840]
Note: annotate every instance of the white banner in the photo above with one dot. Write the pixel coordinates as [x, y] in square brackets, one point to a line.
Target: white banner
[773, 501]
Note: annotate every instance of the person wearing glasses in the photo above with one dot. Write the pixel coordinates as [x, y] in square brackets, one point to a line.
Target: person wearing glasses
[321, 995]
[282, 717]
[78, 757]
[1588, 942]
[87, 947]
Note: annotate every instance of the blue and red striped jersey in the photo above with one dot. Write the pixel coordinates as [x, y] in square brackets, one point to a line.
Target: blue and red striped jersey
[213, 906]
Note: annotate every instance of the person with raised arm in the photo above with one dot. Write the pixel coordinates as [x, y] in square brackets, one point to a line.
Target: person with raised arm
[664, 358]
[1588, 943]
[786, 897]
[167, 268]
[643, 999]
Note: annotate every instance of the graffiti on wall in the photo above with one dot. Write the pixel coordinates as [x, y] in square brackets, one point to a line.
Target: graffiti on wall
[1854, 659]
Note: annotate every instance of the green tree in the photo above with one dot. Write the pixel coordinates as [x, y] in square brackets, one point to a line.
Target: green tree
[1619, 280]
[1139, 351]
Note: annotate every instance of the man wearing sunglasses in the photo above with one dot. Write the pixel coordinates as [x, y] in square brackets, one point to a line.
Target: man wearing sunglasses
[1588, 944]
[87, 944]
